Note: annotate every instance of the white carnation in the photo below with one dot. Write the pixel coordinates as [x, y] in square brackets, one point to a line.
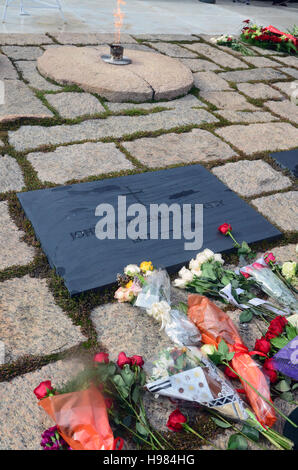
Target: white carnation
[160, 311]
[131, 269]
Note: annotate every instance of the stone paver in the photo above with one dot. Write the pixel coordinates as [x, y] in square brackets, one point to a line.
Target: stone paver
[281, 209]
[259, 91]
[286, 109]
[290, 71]
[7, 70]
[72, 105]
[30, 74]
[197, 145]
[22, 53]
[78, 161]
[13, 251]
[173, 50]
[137, 81]
[249, 178]
[11, 177]
[144, 338]
[90, 38]
[17, 39]
[210, 81]
[244, 116]
[166, 37]
[262, 62]
[289, 60]
[219, 57]
[20, 102]
[188, 101]
[260, 137]
[24, 420]
[200, 65]
[31, 322]
[287, 88]
[29, 137]
[227, 100]
[250, 75]
[264, 51]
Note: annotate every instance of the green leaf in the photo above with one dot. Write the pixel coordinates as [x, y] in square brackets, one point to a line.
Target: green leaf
[223, 348]
[244, 249]
[245, 316]
[208, 271]
[215, 358]
[287, 396]
[295, 386]
[142, 378]
[141, 430]
[237, 442]
[136, 394]
[128, 375]
[220, 423]
[279, 342]
[250, 432]
[230, 356]
[119, 382]
[283, 386]
[291, 331]
[182, 307]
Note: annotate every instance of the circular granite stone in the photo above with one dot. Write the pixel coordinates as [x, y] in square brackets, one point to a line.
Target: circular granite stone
[149, 76]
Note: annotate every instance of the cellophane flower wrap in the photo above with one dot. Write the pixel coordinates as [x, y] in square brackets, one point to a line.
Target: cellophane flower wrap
[155, 297]
[271, 284]
[215, 325]
[186, 374]
[81, 418]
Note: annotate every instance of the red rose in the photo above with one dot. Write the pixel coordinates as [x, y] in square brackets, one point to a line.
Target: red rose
[175, 421]
[262, 345]
[101, 357]
[245, 274]
[269, 257]
[137, 360]
[43, 389]
[273, 331]
[229, 373]
[246, 21]
[109, 403]
[270, 370]
[123, 359]
[258, 266]
[225, 228]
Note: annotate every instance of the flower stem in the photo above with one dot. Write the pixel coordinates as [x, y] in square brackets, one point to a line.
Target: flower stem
[235, 241]
[189, 429]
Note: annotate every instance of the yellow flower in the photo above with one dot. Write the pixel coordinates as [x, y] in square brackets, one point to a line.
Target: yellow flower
[146, 266]
[129, 284]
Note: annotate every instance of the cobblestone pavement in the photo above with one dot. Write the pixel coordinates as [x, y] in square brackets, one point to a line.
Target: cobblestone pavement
[239, 110]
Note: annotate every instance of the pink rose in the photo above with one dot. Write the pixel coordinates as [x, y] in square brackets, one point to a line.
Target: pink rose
[43, 390]
[269, 257]
[101, 357]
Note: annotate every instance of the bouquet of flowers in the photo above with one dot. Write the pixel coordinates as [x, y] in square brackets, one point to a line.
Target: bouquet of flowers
[287, 272]
[229, 41]
[132, 281]
[269, 38]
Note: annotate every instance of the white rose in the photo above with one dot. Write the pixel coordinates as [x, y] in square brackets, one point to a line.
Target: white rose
[208, 253]
[218, 257]
[180, 283]
[131, 269]
[208, 349]
[160, 311]
[196, 272]
[185, 274]
[194, 264]
[213, 40]
[201, 258]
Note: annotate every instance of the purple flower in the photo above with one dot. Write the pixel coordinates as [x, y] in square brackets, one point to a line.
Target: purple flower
[51, 440]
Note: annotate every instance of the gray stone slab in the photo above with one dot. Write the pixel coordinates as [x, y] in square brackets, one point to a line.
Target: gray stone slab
[166, 37]
[290, 71]
[78, 161]
[288, 88]
[200, 65]
[7, 70]
[30, 137]
[263, 51]
[32, 76]
[188, 101]
[72, 105]
[21, 102]
[285, 253]
[260, 137]
[210, 81]
[31, 323]
[259, 91]
[281, 209]
[90, 38]
[285, 109]
[173, 50]
[22, 53]
[11, 177]
[250, 75]
[65, 220]
[246, 116]
[23, 421]
[13, 251]
[27, 39]
[249, 178]
[219, 57]
[291, 61]
[168, 149]
[228, 100]
[262, 62]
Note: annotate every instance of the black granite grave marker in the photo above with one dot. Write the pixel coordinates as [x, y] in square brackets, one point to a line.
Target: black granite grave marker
[64, 221]
[288, 160]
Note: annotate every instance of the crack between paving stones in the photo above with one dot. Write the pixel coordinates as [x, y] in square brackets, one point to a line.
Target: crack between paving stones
[150, 86]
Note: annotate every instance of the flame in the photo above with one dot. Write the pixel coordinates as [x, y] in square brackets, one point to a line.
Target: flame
[119, 15]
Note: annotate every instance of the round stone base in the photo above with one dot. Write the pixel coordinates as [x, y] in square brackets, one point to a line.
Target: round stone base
[150, 76]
